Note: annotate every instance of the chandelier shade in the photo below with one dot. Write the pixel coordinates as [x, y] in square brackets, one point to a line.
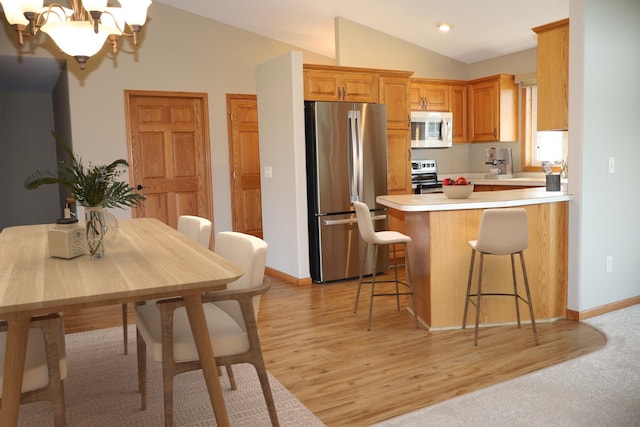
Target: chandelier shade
[76, 38]
[79, 32]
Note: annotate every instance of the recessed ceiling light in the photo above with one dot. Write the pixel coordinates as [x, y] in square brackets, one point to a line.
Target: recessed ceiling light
[444, 27]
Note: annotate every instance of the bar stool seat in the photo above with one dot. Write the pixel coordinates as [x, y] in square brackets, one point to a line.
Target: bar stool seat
[502, 232]
[375, 239]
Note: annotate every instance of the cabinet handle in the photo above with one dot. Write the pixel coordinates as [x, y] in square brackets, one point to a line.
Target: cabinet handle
[344, 93]
[495, 133]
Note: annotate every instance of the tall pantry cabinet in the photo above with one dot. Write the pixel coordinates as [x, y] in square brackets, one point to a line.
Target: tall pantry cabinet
[553, 75]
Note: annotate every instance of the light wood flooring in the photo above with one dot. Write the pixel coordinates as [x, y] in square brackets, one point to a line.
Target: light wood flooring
[321, 351]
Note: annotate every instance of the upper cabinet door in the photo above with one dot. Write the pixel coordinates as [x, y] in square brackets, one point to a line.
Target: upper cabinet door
[429, 96]
[329, 85]
[553, 76]
[493, 109]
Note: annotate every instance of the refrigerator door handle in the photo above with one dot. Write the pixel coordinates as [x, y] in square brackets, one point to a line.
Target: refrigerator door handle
[352, 220]
[356, 178]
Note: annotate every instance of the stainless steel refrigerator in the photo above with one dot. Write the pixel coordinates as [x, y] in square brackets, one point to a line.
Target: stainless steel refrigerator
[346, 149]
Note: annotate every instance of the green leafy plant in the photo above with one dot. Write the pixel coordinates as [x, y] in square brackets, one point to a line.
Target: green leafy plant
[92, 186]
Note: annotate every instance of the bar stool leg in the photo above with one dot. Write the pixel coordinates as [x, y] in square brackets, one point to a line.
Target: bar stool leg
[466, 301]
[364, 263]
[526, 287]
[373, 284]
[515, 288]
[475, 341]
[395, 267]
[407, 270]
[125, 327]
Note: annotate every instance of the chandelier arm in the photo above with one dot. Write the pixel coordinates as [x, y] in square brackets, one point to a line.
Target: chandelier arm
[115, 21]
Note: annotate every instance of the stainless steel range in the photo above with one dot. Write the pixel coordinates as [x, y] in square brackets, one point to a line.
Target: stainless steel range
[424, 177]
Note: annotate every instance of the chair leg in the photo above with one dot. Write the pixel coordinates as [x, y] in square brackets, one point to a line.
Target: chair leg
[475, 340]
[395, 268]
[53, 331]
[409, 278]
[466, 300]
[261, 370]
[526, 287]
[142, 369]
[232, 378]
[125, 329]
[364, 263]
[167, 387]
[515, 288]
[373, 284]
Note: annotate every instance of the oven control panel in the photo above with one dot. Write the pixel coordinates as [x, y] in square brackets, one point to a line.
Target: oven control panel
[423, 166]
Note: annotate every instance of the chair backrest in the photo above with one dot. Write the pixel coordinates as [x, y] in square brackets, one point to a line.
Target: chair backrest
[196, 228]
[503, 231]
[365, 223]
[250, 254]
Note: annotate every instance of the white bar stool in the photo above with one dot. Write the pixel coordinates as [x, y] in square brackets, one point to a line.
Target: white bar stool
[502, 232]
[371, 237]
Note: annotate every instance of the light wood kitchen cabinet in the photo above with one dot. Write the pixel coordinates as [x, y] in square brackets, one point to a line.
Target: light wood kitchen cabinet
[458, 106]
[325, 83]
[426, 95]
[398, 162]
[553, 75]
[394, 93]
[493, 106]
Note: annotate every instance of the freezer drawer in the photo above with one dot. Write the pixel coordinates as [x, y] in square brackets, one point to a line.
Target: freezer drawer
[341, 249]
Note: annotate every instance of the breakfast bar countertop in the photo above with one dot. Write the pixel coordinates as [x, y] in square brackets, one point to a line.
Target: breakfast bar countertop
[477, 200]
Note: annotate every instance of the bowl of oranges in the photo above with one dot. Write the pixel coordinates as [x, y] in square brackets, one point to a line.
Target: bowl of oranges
[459, 188]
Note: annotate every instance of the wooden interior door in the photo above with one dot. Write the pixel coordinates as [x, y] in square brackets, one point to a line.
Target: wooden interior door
[169, 155]
[244, 164]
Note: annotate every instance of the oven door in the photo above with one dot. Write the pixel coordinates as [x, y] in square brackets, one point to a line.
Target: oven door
[428, 189]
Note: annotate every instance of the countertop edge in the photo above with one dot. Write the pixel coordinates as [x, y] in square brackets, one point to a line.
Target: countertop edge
[477, 200]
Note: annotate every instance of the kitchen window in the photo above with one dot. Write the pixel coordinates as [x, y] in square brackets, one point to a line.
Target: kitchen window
[539, 146]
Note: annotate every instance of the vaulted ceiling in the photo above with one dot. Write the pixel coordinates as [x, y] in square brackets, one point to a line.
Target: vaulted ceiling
[482, 29]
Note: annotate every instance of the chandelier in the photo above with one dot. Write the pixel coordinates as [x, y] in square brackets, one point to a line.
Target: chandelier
[79, 32]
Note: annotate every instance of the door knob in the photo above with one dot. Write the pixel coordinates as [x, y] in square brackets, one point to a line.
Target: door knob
[139, 187]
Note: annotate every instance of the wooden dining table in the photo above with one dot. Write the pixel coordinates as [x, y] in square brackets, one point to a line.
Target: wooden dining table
[145, 260]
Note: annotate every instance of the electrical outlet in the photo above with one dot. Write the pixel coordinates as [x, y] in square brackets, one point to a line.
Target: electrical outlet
[612, 164]
[609, 264]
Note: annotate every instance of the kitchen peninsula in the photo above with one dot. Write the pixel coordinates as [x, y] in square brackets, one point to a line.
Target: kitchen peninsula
[439, 254]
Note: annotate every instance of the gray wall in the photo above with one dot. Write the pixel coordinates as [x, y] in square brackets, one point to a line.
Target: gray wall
[26, 145]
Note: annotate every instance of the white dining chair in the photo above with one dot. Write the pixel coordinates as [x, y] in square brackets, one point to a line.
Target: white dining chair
[45, 364]
[194, 227]
[163, 328]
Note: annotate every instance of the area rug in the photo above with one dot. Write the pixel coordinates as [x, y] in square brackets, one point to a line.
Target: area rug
[101, 390]
[599, 389]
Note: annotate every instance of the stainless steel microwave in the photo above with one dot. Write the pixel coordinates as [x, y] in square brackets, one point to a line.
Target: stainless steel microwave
[431, 129]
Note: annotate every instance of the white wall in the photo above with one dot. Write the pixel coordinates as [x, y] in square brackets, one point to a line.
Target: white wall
[284, 196]
[604, 122]
[361, 46]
